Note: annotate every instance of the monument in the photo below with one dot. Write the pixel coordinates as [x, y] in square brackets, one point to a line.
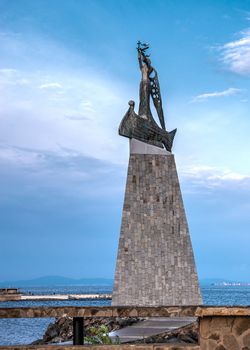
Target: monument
[155, 263]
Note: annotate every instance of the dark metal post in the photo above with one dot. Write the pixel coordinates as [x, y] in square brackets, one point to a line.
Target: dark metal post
[78, 331]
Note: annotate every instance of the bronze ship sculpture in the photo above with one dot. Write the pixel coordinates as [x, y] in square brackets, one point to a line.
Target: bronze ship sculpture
[142, 126]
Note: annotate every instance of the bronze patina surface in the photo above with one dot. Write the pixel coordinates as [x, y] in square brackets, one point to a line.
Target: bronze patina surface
[142, 126]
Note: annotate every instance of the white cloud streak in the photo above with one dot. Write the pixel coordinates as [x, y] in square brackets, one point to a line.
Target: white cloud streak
[235, 55]
[203, 97]
[202, 177]
[51, 86]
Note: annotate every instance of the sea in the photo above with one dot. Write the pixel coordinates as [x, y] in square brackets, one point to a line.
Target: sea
[26, 330]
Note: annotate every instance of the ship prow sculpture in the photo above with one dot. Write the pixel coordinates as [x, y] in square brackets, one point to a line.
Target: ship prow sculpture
[142, 126]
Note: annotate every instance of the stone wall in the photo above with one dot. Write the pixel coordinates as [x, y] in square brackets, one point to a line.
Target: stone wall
[98, 311]
[225, 333]
[105, 347]
[220, 328]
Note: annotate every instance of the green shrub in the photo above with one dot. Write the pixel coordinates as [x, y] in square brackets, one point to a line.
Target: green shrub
[100, 336]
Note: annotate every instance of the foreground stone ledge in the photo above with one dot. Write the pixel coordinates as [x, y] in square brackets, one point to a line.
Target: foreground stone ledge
[105, 347]
[164, 311]
[203, 311]
[126, 311]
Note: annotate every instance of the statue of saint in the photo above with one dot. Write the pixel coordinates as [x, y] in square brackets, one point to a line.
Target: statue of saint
[145, 85]
[142, 126]
[149, 86]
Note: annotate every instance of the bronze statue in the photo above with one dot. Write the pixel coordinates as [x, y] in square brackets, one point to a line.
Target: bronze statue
[143, 127]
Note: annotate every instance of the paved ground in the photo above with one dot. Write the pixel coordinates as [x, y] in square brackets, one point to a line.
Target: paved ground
[150, 327]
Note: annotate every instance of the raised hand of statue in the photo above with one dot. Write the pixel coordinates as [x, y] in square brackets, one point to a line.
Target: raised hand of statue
[140, 58]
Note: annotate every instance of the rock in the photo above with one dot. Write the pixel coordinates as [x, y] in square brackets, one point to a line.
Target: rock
[124, 322]
[56, 340]
[52, 331]
[37, 342]
[62, 329]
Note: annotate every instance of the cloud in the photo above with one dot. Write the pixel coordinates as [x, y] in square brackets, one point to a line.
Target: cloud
[68, 171]
[55, 103]
[77, 117]
[11, 76]
[77, 109]
[228, 92]
[51, 86]
[200, 177]
[235, 55]
[8, 71]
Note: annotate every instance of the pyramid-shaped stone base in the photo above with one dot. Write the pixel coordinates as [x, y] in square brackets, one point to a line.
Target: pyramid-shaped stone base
[155, 262]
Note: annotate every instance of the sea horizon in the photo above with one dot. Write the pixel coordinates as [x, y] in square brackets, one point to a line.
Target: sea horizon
[62, 281]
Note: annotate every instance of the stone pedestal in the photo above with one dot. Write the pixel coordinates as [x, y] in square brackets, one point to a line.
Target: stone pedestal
[155, 263]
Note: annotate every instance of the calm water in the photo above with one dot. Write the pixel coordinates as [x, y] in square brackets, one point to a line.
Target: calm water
[24, 331]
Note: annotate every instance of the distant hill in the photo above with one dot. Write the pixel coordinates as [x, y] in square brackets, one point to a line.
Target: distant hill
[57, 281]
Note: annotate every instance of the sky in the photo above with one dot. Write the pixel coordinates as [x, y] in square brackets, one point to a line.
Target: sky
[67, 72]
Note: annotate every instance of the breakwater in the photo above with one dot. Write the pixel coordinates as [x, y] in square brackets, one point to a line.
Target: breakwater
[23, 297]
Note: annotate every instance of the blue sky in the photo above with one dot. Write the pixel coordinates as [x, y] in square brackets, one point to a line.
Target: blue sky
[67, 71]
